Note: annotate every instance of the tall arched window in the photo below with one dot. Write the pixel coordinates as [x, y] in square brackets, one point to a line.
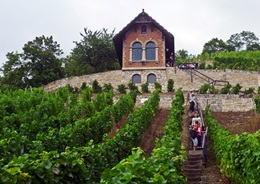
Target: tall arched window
[137, 51]
[151, 78]
[150, 51]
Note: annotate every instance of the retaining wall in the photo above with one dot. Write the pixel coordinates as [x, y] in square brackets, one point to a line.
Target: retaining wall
[181, 78]
[217, 102]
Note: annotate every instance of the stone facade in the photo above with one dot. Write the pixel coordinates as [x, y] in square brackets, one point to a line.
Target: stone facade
[181, 78]
[226, 103]
[218, 102]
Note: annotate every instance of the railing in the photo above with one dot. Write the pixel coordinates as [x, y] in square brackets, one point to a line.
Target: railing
[204, 137]
[192, 71]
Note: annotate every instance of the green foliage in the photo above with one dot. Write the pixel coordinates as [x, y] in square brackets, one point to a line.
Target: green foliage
[242, 60]
[158, 86]
[132, 86]
[204, 88]
[38, 64]
[96, 87]
[235, 89]
[83, 86]
[86, 94]
[226, 89]
[235, 152]
[202, 65]
[170, 85]
[257, 103]
[107, 87]
[215, 45]
[249, 91]
[94, 53]
[164, 165]
[121, 89]
[76, 165]
[207, 88]
[145, 88]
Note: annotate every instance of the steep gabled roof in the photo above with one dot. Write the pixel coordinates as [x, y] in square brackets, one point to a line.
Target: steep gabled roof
[143, 17]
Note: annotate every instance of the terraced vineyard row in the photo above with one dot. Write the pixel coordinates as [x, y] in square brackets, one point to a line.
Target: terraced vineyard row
[77, 164]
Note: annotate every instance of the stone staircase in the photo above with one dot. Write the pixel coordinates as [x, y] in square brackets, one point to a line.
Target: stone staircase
[192, 168]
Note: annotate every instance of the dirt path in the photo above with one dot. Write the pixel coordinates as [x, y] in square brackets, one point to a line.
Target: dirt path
[155, 130]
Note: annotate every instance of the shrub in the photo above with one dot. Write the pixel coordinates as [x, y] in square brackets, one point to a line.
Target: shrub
[226, 89]
[145, 88]
[107, 87]
[83, 86]
[96, 87]
[235, 89]
[132, 86]
[202, 65]
[204, 88]
[209, 67]
[249, 91]
[158, 86]
[121, 89]
[170, 85]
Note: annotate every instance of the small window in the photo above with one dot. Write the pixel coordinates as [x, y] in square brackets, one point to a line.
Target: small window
[143, 29]
[151, 78]
[137, 51]
[136, 78]
[150, 51]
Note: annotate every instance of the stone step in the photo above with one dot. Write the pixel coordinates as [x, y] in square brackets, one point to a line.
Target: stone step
[196, 152]
[196, 182]
[194, 158]
[194, 178]
[193, 162]
[192, 170]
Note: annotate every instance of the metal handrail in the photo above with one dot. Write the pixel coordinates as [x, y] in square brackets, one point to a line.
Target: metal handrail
[200, 113]
[206, 78]
[204, 137]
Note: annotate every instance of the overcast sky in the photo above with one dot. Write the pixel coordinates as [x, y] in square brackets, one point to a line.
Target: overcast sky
[193, 23]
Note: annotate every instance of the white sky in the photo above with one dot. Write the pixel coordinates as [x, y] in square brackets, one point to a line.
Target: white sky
[193, 23]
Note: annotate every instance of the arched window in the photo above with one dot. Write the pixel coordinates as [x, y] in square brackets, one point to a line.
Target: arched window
[151, 78]
[136, 78]
[150, 51]
[137, 51]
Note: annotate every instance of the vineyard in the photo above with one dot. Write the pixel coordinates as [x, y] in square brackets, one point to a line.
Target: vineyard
[62, 137]
[243, 60]
[237, 155]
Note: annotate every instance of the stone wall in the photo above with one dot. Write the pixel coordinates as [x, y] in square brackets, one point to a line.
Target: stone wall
[218, 102]
[226, 102]
[181, 78]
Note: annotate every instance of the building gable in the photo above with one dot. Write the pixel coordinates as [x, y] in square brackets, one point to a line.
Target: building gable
[136, 25]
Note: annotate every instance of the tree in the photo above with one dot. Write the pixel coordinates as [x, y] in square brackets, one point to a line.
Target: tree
[13, 71]
[245, 40]
[39, 64]
[250, 40]
[94, 53]
[183, 56]
[215, 45]
[235, 42]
